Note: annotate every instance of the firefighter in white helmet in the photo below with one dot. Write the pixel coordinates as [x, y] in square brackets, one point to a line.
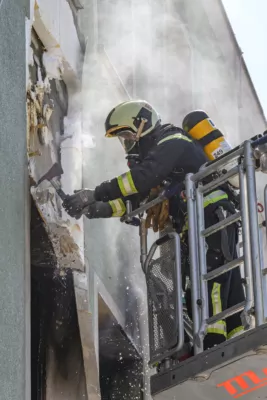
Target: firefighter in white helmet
[165, 152]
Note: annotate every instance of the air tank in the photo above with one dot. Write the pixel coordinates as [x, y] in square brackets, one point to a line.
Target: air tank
[201, 128]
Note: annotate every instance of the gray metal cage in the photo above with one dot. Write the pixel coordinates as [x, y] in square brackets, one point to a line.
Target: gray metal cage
[165, 306]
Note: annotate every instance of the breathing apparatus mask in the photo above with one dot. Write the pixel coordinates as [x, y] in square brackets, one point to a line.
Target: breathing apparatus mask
[130, 142]
[131, 148]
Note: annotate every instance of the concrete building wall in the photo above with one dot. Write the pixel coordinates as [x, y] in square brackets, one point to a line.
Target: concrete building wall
[14, 230]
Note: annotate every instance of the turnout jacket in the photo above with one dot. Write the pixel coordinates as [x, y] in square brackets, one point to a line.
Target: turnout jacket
[168, 152]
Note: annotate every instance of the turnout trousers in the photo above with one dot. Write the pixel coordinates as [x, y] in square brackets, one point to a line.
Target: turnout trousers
[227, 289]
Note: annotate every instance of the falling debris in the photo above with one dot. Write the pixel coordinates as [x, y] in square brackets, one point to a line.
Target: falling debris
[59, 230]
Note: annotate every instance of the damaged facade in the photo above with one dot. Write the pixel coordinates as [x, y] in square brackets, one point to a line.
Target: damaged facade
[88, 298]
[66, 347]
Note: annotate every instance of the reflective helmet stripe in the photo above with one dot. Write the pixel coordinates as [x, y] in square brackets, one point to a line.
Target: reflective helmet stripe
[112, 131]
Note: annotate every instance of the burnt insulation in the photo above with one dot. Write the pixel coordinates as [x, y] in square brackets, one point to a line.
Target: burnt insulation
[54, 324]
[54, 320]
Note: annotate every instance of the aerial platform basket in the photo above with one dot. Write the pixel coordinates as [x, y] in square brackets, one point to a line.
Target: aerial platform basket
[238, 367]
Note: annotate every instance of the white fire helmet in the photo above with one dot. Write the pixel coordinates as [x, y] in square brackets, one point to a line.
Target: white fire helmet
[130, 121]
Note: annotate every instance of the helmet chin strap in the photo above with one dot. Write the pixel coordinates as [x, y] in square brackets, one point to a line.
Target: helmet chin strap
[140, 129]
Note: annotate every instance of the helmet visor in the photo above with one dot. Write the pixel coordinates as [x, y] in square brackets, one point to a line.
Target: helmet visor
[127, 139]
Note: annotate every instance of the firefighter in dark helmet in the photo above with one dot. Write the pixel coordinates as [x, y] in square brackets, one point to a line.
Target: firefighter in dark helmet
[159, 153]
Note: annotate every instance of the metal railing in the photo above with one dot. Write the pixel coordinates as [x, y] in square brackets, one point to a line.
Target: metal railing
[252, 257]
[165, 303]
[252, 260]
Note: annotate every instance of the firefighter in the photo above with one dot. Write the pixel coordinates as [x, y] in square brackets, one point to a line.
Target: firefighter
[158, 153]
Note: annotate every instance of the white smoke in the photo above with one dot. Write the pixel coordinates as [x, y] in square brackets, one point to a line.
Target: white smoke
[139, 49]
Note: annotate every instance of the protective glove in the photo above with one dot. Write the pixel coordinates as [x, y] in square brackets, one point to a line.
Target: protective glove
[75, 203]
[98, 209]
